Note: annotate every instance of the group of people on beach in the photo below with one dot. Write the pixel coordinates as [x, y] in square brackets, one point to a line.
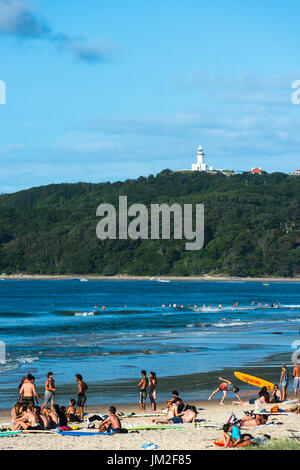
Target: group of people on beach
[264, 397]
[27, 415]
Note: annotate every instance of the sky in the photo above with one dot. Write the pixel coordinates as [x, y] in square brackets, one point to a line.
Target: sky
[108, 90]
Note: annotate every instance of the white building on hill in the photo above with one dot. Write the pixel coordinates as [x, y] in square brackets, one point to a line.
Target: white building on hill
[200, 165]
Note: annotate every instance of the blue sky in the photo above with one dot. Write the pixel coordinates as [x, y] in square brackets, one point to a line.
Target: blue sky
[108, 90]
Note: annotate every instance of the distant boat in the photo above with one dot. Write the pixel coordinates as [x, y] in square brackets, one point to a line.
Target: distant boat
[265, 284]
[83, 280]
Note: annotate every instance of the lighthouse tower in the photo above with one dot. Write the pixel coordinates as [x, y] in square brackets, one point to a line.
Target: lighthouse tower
[200, 165]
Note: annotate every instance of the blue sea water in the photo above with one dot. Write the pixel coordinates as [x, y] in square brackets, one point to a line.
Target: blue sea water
[174, 328]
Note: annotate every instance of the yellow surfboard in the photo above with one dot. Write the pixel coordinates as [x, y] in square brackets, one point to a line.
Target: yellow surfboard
[250, 379]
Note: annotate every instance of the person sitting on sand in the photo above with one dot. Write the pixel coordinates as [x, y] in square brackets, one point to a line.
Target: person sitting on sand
[225, 386]
[52, 416]
[180, 404]
[28, 421]
[188, 416]
[276, 395]
[43, 420]
[17, 411]
[71, 412]
[112, 423]
[231, 433]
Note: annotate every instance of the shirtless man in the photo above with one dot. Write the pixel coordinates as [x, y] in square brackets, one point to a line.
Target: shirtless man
[49, 390]
[112, 423]
[257, 420]
[28, 392]
[143, 391]
[296, 375]
[188, 416]
[82, 388]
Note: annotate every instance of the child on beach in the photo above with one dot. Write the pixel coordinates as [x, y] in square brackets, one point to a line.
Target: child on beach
[224, 387]
[143, 391]
[71, 412]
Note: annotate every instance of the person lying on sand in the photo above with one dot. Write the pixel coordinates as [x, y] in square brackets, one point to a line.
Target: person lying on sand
[256, 420]
[188, 416]
[232, 433]
[225, 386]
[263, 399]
[112, 423]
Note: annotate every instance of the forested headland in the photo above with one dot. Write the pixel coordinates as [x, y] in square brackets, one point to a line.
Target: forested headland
[252, 227]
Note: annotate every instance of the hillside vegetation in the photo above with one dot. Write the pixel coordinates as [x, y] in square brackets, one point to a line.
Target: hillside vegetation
[252, 227]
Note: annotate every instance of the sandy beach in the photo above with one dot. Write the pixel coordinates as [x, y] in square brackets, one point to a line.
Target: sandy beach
[187, 437]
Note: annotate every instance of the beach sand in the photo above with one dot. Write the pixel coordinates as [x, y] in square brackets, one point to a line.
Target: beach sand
[188, 437]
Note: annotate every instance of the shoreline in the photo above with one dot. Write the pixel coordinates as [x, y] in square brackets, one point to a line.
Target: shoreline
[121, 277]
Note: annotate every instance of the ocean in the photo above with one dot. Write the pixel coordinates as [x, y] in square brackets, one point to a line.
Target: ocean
[188, 332]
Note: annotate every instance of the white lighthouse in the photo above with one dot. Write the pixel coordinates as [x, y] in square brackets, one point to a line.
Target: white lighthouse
[200, 165]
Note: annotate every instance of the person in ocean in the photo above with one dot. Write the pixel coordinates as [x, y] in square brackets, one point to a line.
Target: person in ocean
[143, 391]
[225, 386]
[81, 398]
[152, 390]
[284, 381]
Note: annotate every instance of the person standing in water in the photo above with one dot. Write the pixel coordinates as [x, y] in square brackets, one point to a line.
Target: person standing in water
[81, 399]
[143, 391]
[152, 390]
[284, 381]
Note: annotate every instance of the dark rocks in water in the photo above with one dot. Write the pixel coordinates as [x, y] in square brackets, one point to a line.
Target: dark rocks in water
[276, 333]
